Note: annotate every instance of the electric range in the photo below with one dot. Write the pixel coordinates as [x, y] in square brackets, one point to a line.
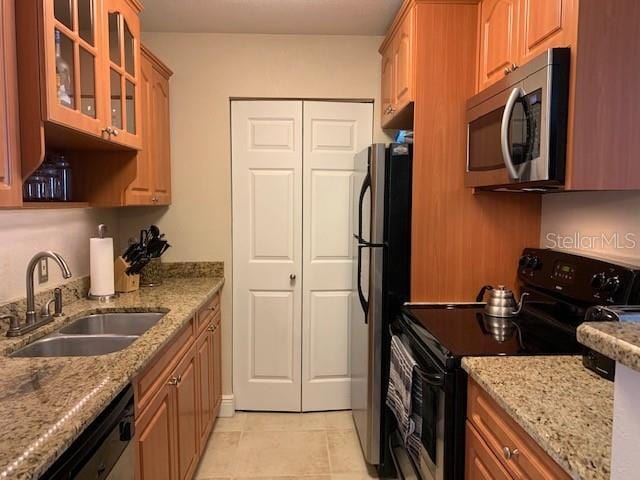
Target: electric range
[561, 286]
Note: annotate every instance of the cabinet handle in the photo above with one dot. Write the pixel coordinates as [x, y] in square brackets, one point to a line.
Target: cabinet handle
[507, 70]
[107, 130]
[514, 67]
[509, 454]
[114, 132]
[211, 328]
[173, 381]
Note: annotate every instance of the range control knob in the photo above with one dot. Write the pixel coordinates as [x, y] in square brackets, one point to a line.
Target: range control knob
[524, 261]
[598, 280]
[530, 261]
[611, 285]
[535, 263]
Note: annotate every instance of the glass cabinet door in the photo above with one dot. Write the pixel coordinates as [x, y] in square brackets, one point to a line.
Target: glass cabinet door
[123, 72]
[73, 63]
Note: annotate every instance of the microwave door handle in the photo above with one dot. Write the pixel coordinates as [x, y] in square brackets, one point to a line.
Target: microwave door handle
[515, 95]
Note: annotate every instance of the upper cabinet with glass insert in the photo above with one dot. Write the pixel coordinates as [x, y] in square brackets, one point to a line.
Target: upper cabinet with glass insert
[122, 28]
[78, 70]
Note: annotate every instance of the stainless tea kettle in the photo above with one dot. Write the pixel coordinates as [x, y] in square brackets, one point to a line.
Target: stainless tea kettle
[501, 302]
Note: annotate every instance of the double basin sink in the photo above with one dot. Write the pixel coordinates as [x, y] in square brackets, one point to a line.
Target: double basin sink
[95, 334]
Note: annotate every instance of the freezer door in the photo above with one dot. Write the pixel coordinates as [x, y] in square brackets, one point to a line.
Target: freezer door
[366, 320]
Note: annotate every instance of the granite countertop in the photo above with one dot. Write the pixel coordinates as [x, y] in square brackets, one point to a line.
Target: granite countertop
[45, 403]
[564, 407]
[617, 340]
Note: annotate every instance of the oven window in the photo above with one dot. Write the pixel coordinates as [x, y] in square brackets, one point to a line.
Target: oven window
[484, 142]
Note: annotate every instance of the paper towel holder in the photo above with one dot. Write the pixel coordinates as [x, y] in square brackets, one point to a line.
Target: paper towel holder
[102, 229]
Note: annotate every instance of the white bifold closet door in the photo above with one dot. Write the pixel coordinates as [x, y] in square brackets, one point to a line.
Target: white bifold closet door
[292, 181]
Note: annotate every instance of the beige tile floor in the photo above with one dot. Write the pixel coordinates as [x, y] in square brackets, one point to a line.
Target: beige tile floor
[284, 446]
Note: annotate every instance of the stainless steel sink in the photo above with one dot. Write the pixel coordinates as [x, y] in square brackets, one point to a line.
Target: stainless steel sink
[75, 345]
[95, 334]
[113, 324]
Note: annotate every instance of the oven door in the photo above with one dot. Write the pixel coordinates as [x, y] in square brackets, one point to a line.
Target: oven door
[425, 461]
[507, 136]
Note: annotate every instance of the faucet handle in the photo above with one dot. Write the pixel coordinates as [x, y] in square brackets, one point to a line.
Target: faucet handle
[46, 308]
[14, 322]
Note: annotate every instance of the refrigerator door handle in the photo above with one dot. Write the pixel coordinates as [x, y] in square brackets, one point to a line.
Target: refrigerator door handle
[363, 300]
[365, 186]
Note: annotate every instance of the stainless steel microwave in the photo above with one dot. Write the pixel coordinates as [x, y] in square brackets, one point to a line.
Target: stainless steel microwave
[517, 128]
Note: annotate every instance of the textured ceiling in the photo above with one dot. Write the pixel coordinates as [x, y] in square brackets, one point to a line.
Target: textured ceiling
[322, 17]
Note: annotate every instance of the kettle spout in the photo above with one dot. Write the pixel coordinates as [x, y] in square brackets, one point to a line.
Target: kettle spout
[521, 304]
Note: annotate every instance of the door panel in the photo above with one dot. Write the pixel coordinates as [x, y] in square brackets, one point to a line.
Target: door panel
[155, 438]
[187, 411]
[498, 39]
[205, 365]
[335, 133]
[547, 23]
[387, 84]
[267, 253]
[403, 63]
[162, 138]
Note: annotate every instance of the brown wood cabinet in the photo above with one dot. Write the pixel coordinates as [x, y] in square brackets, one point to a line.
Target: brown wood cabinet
[512, 32]
[10, 178]
[498, 43]
[79, 76]
[398, 71]
[605, 64]
[177, 399]
[152, 185]
[498, 448]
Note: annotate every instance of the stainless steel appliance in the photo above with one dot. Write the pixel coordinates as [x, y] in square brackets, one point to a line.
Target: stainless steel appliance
[381, 246]
[517, 128]
[104, 451]
[560, 286]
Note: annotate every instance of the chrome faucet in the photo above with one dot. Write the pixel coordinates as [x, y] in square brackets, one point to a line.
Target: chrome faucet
[33, 320]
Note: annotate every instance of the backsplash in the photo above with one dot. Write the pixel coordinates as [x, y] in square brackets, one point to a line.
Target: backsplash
[603, 223]
[23, 233]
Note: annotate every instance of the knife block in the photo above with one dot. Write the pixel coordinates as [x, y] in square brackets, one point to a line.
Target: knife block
[125, 283]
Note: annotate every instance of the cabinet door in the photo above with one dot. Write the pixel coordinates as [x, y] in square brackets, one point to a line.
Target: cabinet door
[403, 63]
[156, 438]
[217, 365]
[387, 84]
[161, 139]
[122, 72]
[73, 64]
[140, 192]
[206, 383]
[546, 24]
[10, 179]
[481, 463]
[498, 39]
[187, 414]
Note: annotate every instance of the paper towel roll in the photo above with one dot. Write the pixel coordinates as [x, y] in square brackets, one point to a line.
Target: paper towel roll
[101, 266]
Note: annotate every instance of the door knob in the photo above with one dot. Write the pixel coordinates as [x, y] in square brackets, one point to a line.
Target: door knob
[292, 276]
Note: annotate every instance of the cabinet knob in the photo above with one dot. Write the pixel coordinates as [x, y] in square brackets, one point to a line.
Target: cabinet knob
[292, 276]
[509, 454]
[507, 70]
[211, 328]
[392, 109]
[173, 381]
[114, 132]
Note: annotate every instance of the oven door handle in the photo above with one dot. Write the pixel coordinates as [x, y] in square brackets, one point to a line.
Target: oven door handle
[435, 379]
[515, 95]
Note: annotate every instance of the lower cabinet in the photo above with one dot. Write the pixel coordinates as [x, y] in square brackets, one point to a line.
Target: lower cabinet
[178, 398]
[498, 448]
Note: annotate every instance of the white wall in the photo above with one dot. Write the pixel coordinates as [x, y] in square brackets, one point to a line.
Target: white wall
[26, 232]
[605, 223]
[208, 70]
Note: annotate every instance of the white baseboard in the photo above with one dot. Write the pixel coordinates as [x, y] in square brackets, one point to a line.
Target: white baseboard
[228, 406]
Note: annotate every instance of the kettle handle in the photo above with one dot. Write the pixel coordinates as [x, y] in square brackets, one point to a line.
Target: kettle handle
[482, 291]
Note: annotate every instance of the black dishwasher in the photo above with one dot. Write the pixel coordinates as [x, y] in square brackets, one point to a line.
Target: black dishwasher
[104, 450]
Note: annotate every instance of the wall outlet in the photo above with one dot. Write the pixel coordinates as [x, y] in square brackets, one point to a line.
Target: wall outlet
[43, 270]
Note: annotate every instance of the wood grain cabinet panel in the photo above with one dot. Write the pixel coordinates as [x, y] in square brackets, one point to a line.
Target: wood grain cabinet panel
[155, 441]
[481, 463]
[515, 449]
[498, 52]
[546, 24]
[152, 185]
[10, 179]
[177, 400]
[187, 413]
[398, 71]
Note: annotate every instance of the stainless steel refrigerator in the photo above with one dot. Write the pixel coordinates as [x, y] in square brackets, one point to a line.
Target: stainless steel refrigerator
[381, 279]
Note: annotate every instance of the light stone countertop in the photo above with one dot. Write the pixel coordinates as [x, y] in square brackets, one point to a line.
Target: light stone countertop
[617, 340]
[564, 407]
[45, 403]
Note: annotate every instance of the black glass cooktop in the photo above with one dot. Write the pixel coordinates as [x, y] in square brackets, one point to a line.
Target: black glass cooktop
[456, 331]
